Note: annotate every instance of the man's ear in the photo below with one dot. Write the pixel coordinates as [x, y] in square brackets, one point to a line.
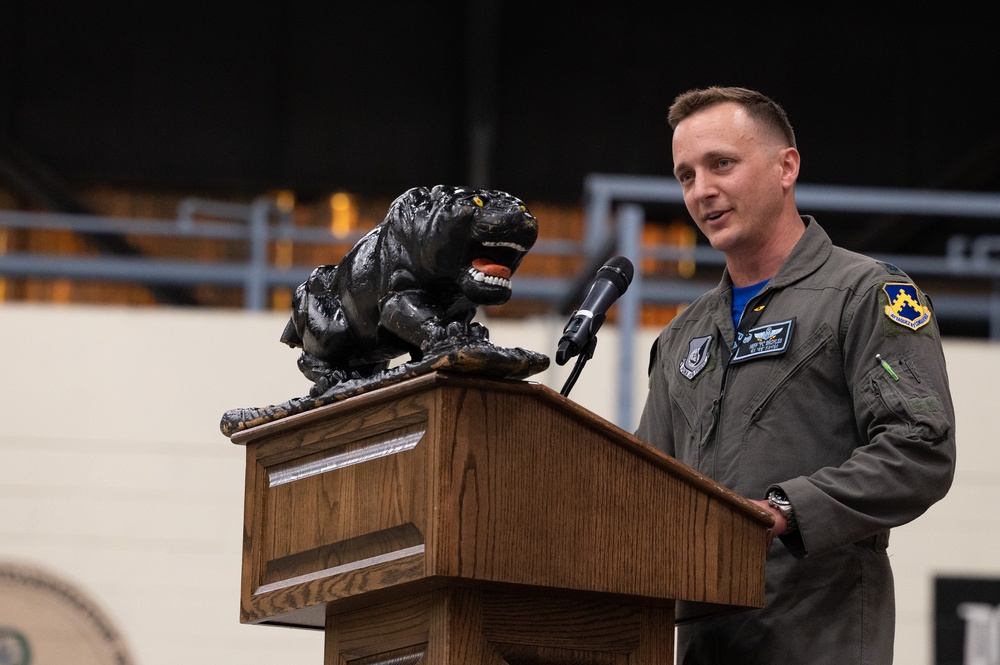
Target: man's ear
[790, 161]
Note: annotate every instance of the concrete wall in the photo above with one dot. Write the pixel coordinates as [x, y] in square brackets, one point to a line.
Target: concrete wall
[114, 475]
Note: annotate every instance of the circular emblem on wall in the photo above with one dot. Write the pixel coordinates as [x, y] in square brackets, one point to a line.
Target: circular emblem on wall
[14, 649]
[44, 619]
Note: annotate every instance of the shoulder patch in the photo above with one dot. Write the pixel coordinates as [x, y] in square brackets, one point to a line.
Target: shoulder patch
[697, 356]
[905, 305]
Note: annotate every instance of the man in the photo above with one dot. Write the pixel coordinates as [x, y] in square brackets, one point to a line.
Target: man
[811, 380]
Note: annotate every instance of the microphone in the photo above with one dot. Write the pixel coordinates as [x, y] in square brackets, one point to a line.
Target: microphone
[611, 281]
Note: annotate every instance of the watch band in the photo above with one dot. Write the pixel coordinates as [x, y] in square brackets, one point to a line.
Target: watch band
[776, 499]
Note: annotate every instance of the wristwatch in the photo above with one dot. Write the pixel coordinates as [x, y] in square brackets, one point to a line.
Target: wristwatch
[776, 499]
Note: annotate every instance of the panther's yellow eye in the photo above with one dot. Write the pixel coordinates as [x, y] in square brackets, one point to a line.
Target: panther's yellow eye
[523, 209]
[479, 201]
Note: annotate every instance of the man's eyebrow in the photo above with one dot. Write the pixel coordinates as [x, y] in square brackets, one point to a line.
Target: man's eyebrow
[717, 154]
[707, 157]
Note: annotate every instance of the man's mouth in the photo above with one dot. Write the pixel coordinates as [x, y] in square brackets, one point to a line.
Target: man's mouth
[712, 216]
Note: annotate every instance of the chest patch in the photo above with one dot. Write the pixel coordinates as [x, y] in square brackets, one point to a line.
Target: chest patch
[697, 356]
[904, 305]
[770, 339]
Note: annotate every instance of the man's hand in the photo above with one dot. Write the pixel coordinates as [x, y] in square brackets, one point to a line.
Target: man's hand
[780, 523]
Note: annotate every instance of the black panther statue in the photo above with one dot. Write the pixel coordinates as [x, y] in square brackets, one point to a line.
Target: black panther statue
[411, 285]
[413, 282]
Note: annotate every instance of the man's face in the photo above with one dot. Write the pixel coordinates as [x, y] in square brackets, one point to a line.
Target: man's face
[730, 171]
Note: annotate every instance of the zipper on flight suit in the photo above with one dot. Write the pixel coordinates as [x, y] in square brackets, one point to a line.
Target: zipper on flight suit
[713, 435]
[899, 410]
[758, 300]
[895, 402]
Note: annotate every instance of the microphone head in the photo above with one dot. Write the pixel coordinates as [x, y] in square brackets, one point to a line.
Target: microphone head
[619, 271]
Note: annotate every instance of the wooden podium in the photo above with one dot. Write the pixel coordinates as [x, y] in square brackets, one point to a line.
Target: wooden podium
[455, 519]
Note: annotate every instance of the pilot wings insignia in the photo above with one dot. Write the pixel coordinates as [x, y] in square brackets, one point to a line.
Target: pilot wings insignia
[767, 333]
[770, 339]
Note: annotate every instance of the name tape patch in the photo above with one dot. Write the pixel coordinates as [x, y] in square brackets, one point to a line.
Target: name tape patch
[770, 339]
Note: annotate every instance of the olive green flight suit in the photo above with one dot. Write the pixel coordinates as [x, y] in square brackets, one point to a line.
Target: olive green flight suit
[805, 404]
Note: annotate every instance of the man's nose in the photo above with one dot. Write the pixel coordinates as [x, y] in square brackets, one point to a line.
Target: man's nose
[704, 186]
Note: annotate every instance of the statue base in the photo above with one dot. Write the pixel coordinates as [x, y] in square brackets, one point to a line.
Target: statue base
[476, 358]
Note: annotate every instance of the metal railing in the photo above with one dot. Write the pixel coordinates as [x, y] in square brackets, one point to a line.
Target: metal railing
[615, 208]
[615, 212]
[258, 224]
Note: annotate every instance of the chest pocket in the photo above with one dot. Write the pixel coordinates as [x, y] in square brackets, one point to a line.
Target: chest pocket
[789, 372]
[771, 403]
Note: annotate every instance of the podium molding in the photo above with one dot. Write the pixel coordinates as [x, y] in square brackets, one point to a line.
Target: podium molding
[457, 519]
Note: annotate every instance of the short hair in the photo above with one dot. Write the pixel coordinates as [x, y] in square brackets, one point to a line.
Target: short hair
[758, 106]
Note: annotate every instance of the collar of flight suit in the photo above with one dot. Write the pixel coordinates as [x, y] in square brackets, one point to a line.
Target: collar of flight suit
[810, 252]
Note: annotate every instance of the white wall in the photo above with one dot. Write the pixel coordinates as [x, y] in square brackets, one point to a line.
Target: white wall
[114, 475]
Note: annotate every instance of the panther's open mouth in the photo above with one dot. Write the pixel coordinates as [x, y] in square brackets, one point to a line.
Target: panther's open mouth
[493, 266]
[487, 272]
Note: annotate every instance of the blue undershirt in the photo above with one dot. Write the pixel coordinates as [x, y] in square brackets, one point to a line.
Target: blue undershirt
[741, 296]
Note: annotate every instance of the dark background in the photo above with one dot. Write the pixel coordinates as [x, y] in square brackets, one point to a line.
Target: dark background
[528, 97]
[949, 627]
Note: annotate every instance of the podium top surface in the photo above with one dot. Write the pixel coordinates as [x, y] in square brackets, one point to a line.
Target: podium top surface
[529, 389]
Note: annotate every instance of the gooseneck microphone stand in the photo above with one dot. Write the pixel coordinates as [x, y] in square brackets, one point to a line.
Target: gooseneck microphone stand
[585, 354]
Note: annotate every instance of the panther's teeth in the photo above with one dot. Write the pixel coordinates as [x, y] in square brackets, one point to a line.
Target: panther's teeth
[511, 245]
[480, 276]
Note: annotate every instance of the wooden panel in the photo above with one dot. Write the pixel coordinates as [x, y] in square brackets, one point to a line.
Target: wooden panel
[446, 478]
[369, 505]
[394, 632]
[336, 509]
[537, 496]
[464, 625]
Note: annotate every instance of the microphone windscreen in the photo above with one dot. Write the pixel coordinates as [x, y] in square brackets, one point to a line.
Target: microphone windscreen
[619, 271]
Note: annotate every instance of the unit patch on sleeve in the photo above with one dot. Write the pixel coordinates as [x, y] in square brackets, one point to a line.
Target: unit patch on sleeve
[905, 306]
[697, 356]
[770, 339]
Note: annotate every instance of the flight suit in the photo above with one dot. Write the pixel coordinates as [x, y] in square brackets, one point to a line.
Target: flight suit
[804, 402]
